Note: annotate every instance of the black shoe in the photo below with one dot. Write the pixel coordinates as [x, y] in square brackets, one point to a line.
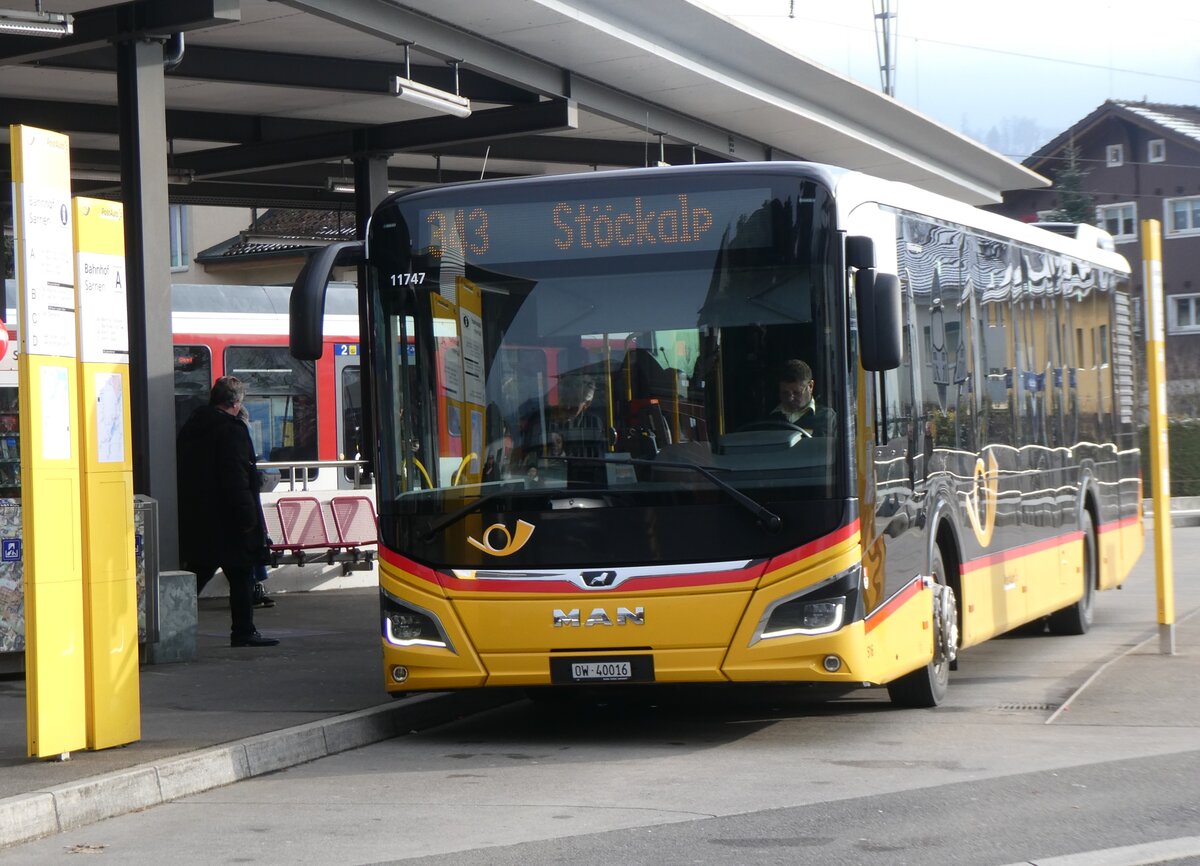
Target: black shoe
[261, 599]
[254, 639]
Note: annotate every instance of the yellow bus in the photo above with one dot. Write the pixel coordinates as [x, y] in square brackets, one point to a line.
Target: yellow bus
[775, 422]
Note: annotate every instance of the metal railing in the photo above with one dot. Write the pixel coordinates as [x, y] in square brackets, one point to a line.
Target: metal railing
[289, 469]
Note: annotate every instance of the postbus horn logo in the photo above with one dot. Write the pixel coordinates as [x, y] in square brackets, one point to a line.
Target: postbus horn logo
[984, 526]
[512, 541]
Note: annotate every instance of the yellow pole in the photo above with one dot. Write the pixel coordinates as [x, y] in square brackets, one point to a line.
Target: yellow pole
[55, 714]
[1160, 471]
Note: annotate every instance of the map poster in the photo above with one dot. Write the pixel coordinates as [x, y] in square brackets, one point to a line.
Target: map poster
[44, 241]
[110, 418]
[100, 274]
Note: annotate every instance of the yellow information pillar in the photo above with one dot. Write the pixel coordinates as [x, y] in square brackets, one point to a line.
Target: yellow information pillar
[54, 642]
[1160, 470]
[110, 572]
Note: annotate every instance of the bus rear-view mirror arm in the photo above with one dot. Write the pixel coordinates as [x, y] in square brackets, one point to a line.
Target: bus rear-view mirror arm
[306, 307]
[879, 325]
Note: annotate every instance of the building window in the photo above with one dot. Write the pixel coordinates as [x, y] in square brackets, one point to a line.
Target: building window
[1115, 155]
[1119, 220]
[179, 246]
[1182, 215]
[1156, 151]
[1183, 314]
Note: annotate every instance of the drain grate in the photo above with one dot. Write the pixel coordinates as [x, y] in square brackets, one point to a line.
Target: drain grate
[1017, 707]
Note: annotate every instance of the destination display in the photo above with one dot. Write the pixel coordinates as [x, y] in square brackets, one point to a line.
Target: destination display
[595, 227]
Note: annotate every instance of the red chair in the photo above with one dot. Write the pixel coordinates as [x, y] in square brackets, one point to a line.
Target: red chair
[355, 521]
[302, 524]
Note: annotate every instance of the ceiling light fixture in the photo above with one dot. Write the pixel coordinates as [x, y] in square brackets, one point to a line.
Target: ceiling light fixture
[174, 176]
[37, 23]
[346, 185]
[430, 97]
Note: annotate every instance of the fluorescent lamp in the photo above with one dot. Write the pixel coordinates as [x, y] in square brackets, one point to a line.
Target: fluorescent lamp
[36, 23]
[431, 97]
[174, 176]
[346, 184]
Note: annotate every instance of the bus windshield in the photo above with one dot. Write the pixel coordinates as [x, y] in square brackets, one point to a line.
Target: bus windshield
[602, 345]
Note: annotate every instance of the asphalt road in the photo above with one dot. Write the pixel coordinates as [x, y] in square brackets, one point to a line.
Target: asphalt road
[1014, 767]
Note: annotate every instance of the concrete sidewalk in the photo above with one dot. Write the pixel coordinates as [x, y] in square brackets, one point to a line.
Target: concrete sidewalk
[231, 714]
[237, 713]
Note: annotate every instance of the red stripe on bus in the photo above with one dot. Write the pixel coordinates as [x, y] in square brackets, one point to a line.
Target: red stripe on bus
[1021, 551]
[749, 574]
[877, 616]
[813, 547]
[407, 565]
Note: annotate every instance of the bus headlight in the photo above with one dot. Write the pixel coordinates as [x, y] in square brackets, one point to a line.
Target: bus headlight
[801, 616]
[408, 625]
[815, 610]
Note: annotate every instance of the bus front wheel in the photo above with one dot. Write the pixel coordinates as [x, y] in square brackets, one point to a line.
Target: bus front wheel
[926, 686]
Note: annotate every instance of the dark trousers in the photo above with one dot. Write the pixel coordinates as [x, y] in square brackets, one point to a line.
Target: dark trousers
[241, 594]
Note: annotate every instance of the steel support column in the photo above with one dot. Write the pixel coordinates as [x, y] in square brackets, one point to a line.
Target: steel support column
[142, 108]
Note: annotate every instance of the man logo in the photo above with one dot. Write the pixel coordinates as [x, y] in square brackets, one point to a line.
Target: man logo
[512, 542]
[599, 616]
[598, 579]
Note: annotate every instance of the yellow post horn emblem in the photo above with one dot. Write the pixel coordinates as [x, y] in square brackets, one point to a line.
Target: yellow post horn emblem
[985, 526]
[512, 543]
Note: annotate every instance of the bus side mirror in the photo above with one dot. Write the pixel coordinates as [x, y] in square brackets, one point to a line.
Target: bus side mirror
[860, 252]
[306, 307]
[879, 325]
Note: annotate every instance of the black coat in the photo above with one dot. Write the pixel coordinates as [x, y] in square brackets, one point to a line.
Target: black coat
[220, 514]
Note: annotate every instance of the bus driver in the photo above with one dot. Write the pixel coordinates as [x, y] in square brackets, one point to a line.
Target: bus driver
[796, 404]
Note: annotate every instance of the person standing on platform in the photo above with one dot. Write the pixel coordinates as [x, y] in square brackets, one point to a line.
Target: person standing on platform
[221, 522]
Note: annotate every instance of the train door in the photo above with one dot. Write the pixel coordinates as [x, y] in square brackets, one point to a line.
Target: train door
[193, 380]
[348, 408]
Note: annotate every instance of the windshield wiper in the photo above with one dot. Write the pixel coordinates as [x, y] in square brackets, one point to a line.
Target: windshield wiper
[457, 515]
[767, 518]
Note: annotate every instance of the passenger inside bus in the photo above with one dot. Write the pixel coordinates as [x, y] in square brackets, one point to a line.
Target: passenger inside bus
[569, 428]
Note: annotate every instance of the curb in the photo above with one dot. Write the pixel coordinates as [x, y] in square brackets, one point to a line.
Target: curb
[1130, 650]
[65, 807]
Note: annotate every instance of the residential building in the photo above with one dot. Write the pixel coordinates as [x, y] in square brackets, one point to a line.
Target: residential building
[1142, 161]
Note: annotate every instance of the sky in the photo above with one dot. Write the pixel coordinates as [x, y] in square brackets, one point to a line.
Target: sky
[1009, 73]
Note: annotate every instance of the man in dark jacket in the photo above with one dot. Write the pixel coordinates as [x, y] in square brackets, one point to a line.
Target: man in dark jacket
[796, 404]
[220, 516]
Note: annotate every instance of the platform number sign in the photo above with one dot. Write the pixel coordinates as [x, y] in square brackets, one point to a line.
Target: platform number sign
[10, 550]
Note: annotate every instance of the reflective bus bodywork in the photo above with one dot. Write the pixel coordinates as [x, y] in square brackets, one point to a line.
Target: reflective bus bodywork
[980, 470]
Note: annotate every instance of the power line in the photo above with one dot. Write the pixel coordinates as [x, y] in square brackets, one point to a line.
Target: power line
[1001, 51]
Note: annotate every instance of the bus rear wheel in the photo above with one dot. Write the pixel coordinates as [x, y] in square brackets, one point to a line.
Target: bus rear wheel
[1077, 618]
[926, 686]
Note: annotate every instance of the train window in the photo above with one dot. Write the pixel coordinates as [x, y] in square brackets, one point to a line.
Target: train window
[193, 380]
[281, 399]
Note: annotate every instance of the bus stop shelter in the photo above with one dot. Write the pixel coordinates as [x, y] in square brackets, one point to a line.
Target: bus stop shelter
[310, 103]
